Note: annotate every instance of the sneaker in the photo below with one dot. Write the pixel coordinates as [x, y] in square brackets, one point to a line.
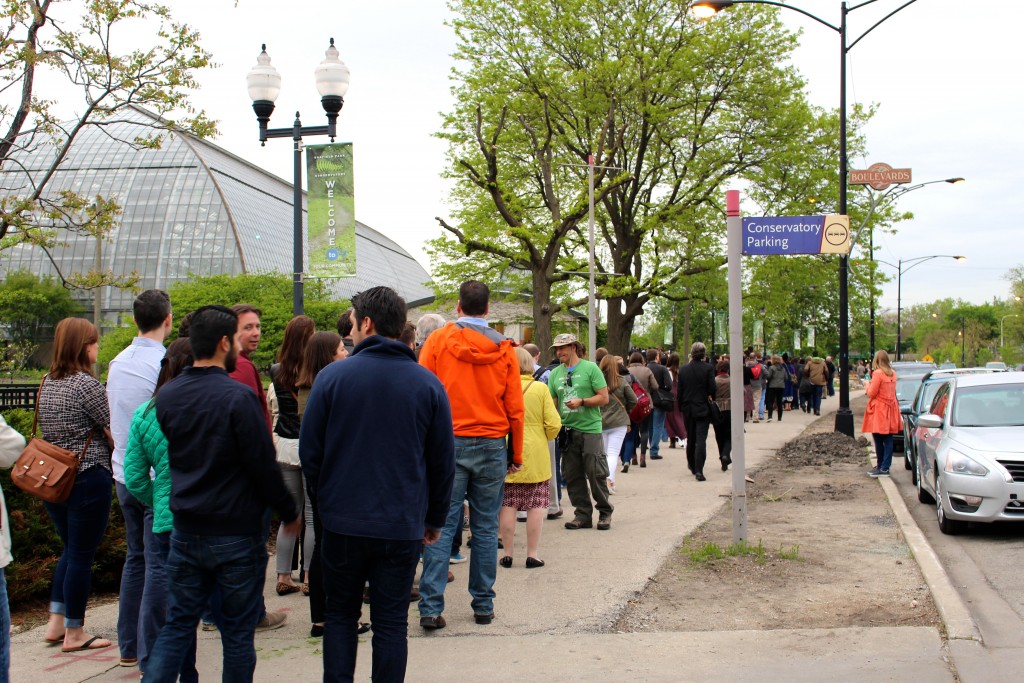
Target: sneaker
[611, 487]
[457, 558]
[769, 419]
[876, 472]
[521, 516]
[209, 626]
[271, 621]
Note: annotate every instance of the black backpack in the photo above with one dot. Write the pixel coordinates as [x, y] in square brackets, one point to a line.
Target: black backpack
[539, 372]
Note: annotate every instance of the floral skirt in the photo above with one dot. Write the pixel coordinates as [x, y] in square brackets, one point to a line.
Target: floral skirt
[748, 399]
[527, 496]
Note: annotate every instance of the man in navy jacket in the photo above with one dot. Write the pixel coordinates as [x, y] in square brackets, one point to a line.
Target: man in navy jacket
[224, 475]
[378, 454]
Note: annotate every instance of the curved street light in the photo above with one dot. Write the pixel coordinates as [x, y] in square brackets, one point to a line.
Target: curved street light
[899, 266]
[707, 8]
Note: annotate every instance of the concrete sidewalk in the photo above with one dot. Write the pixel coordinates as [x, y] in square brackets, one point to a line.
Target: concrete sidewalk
[553, 622]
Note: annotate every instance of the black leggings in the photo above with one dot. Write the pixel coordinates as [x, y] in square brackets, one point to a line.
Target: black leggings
[774, 398]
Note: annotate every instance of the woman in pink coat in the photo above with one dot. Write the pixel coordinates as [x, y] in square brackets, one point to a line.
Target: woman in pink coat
[882, 416]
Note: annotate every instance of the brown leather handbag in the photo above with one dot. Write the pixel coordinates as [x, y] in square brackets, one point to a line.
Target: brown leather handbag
[44, 470]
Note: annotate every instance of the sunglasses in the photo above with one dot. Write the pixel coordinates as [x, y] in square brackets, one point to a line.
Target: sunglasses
[568, 378]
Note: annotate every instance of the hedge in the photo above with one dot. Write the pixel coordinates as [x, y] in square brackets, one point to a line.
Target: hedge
[36, 545]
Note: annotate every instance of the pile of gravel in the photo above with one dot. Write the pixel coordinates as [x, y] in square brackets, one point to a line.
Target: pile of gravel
[822, 448]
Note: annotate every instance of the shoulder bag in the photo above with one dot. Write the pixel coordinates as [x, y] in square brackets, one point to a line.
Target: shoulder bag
[44, 470]
[716, 413]
[510, 453]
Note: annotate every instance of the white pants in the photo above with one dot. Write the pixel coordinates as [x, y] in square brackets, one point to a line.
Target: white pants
[613, 439]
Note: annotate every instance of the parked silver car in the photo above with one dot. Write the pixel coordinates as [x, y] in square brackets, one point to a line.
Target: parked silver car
[970, 447]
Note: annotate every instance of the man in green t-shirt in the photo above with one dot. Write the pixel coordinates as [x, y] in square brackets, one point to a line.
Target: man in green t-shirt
[579, 391]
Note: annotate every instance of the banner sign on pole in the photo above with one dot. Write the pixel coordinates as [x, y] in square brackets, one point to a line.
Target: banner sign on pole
[796, 340]
[758, 333]
[721, 334]
[331, 217]
[810, 337]
[793, 235]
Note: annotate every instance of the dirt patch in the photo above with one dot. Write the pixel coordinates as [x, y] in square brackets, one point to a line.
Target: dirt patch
[823, 551]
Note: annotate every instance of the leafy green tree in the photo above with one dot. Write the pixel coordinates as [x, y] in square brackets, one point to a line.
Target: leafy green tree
[29, 303]
[270, 292]
[43, 41]
[670, 109]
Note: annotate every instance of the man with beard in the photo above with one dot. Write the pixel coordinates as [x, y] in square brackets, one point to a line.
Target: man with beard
[224, 475]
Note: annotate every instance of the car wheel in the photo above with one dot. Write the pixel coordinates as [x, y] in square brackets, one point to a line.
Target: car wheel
[922, 495]
[946, 525]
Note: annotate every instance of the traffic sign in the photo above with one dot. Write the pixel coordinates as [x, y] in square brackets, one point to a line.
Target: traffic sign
[793, 235]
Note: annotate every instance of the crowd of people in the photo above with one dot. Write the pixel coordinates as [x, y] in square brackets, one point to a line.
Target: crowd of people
[200, 453]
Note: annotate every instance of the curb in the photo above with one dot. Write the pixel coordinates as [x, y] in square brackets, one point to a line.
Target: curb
[952, 609]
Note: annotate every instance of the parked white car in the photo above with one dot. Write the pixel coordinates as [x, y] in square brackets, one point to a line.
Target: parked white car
[970, 447]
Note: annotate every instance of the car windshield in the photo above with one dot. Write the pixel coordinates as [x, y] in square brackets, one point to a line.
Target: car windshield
[906, 387]
[996, 405]
[996, 365]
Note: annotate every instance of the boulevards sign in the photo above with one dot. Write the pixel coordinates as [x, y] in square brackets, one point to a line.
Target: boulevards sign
[880, 176]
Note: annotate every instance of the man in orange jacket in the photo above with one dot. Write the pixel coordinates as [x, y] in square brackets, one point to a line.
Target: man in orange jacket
[480, 372]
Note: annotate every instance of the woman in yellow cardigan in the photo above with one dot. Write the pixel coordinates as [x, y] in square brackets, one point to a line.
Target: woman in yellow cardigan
[528, 489]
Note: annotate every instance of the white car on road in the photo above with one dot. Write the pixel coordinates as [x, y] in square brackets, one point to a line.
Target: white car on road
[970, 447]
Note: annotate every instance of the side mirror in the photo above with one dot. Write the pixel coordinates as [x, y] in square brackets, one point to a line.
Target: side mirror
[929, 421]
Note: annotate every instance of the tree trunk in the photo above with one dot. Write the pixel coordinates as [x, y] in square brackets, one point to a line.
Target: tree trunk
[542, 312]
[684, 350]
[620, 327]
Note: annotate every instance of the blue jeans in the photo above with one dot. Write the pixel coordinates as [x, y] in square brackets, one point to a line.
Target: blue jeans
[81, 522]
[480, 466]
[657, 429]
[883, 451]
[760, 405]
[5, 631]
[817, 398]
[133, 575]
[153, 613]
[390, 566]
[235, 565]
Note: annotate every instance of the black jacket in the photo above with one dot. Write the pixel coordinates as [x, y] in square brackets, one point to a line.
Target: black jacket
[696, 387]
[664, 376]
[224, 472]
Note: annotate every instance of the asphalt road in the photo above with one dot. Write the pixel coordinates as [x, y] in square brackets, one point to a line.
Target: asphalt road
[984, 564]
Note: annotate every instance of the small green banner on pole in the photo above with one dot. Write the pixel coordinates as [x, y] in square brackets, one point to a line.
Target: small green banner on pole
[331, 218]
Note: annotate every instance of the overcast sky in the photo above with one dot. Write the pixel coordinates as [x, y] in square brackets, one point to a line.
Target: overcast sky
[945, 73]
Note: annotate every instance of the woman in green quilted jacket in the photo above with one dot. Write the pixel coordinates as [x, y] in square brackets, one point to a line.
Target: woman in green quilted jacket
[147, 451]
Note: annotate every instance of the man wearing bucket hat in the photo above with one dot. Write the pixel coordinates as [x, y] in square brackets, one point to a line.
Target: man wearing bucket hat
[579, 391]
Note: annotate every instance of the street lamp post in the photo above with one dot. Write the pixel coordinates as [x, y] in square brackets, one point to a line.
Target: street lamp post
[890, 195]
[264, 85]
[899, 288]
[963, 342]
[844, 416]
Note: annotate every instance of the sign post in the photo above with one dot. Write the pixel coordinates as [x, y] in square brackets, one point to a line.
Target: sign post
[735, 240]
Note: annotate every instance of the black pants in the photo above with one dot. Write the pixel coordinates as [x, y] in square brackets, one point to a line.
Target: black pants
[774, 398]
[723, 436]
[697, 442]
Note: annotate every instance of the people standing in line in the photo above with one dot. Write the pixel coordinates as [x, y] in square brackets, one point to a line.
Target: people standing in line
[674, 425]
[381, 472]
[747, 364]
[74, 414]
[661, 400]
[882, 415]
[723, 430]
[249, 334]
[579, 390]
[789, 393]
[528, 489]
[146, 452]
[831, 367]
[480, 372]
[224, 476]
[283, 401]
[645, 378]
[817, 373]
[696, 391]
[345, 330]
[131, 381]
[11, 445]
[805, 388]
[757, 386]
[776, 379]
[322, 349]
[541, 374]
[615, 415]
